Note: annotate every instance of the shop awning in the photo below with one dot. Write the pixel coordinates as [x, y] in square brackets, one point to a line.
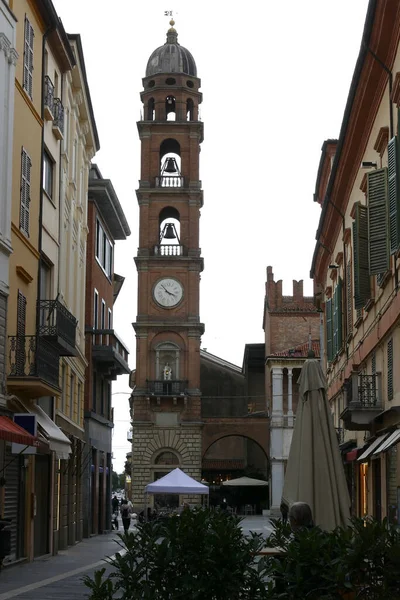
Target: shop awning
[393, 439]
[11, 432]
[58, 441]
[374, 446]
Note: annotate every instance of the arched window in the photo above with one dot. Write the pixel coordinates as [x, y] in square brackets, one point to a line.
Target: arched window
[189, 109]
[170, 164]
[151, 110]
[166, 458]
[170, 109]
[169, 232]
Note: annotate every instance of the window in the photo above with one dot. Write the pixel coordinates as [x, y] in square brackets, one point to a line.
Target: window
[25, 198]
[166, 458]
[378, 221]
[94, 392]
[103, 314]
[104, 250]
[47, 174]
[337, 318]
[79, 403]
[63, 387]
[362, 282]
[328, 320]
[21, 324]
[28, 58]
[390, 369]
[74, 159]
[349, 300]
[96, 310]
[109, 319]
[71, 396]
[394, 195]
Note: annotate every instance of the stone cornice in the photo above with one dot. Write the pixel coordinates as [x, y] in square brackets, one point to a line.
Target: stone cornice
[9, 51]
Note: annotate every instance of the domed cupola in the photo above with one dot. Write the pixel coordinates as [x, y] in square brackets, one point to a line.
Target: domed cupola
[171, 57]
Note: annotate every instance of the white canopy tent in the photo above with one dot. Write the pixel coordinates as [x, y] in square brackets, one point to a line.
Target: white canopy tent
[176, 482]
[244, 482]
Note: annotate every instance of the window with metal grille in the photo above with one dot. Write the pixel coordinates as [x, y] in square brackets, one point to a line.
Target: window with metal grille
[390, 369]
[25, 197]
[28, 58]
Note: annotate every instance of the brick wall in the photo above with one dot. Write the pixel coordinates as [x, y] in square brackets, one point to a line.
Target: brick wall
[288, 320]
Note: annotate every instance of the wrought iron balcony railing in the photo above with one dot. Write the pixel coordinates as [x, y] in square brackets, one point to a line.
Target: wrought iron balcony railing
[167, 387]
[109, 350]
[48, 98]
[362, 390]
[33, 357]
[58, 326]
[170, 181]
[58, 122]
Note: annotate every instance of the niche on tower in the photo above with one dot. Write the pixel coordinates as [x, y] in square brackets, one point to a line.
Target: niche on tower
[170, 165]
[169, 231]
[168, 367]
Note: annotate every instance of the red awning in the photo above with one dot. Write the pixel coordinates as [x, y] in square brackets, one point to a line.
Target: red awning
[350, 456]
[11, 432]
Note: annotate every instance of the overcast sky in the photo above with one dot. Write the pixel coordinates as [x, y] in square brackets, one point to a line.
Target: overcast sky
[275, 79]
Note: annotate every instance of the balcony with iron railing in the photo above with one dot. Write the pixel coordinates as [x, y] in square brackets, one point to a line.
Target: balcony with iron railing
[57, 326]
[33, 366]
[48, 99]
[167, 387]
[109, 352]
[363, 401]
[58, 121]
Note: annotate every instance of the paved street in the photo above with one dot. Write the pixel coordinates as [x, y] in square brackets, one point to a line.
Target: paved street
[60, 577]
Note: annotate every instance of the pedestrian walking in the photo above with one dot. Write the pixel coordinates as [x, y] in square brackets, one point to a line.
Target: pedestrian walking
[115, 523]
[114, 503]
[125, 515]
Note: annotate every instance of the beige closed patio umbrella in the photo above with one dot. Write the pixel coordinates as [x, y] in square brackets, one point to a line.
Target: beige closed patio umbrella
[314, 472]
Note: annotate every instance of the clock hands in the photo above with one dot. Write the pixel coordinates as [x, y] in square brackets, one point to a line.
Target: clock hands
[165, 290]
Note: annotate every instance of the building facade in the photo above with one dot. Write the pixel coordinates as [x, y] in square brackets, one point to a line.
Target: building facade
[292, 328]
[106, 353]
[355, 269]
[166, 397]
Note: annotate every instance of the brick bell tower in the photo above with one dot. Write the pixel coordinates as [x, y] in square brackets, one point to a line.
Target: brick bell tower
[166, 397]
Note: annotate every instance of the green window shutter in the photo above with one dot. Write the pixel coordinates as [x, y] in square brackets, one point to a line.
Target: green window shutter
[362, 282]
[328, 320]
[334, 323]
[339, 318]
[349, 300]
[394, 212]
[378, 221]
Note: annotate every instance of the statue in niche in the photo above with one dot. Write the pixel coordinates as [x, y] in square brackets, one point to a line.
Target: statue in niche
[167, 372]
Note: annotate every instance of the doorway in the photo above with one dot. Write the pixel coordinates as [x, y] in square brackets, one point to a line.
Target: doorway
[42, 516]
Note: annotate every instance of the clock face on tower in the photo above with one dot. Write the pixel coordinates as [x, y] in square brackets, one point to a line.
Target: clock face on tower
[168, 292]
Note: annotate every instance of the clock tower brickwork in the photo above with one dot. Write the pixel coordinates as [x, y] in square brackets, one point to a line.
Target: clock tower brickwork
[165, 401]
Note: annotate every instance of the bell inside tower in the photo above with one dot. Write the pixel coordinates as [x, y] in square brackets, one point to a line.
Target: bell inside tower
[170, 108]
[169, 228]
[170, 164]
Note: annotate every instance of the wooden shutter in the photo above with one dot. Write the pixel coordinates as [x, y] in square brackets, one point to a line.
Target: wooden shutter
[21, 314]
[329, 340]
[349, 299]
[334, 323]
[394, 212]
[378, 221]
[28, 57]
[339, 315]
[25, 200]
[390, 369]
[362, 282]
[21, 327]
